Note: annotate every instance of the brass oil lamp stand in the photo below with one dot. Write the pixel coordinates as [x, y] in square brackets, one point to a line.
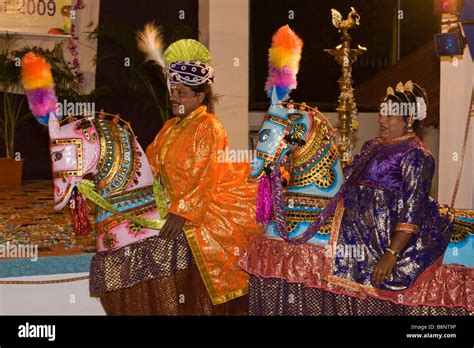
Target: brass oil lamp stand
[346, 56]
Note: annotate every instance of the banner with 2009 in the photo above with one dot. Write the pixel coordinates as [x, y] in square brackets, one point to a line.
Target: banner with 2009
[43, 17]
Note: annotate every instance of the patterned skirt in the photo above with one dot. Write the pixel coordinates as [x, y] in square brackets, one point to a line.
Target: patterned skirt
[273, 296]
[155, 276]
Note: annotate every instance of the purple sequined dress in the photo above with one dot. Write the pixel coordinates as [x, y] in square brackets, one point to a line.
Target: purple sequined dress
[390, 192]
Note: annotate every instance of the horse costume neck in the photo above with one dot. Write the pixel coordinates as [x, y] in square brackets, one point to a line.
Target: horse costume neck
[312, 166]
[119, 166]
[123, 177]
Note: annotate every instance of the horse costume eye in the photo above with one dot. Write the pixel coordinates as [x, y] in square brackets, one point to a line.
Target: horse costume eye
[264, 135]
[57, 155]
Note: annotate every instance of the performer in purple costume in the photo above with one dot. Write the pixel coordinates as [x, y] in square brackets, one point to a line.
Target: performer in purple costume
[388, 235]
[387, 207]
[384, 210]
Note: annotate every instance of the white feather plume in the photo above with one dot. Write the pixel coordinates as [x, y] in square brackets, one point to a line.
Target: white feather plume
[150, 42]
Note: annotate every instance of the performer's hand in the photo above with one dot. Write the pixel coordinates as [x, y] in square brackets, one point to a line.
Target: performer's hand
[383, 269]
[173, 226]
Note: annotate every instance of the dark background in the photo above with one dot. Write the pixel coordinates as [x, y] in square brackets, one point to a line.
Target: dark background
[316, 79]
[313, 24]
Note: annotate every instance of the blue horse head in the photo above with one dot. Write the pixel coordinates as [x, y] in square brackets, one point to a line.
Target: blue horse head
[307, 139]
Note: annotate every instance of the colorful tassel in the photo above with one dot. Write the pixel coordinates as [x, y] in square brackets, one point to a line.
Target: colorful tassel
[80, 216]
[264, 201]
[39, 86]
[283, 62]
[41, 103]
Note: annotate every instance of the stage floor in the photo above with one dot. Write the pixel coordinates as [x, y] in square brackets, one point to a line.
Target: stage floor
[27, 217]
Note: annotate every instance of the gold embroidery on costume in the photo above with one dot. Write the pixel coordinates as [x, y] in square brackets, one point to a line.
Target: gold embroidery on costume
[214, 198]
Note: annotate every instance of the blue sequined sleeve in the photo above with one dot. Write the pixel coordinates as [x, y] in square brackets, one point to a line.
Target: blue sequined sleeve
[417, 169]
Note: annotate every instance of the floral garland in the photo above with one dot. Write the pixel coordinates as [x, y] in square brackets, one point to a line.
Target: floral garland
[72, 47]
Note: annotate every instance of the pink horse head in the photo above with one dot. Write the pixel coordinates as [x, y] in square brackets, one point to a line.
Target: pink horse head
[97, 146]
[74, 150]
[115, 159]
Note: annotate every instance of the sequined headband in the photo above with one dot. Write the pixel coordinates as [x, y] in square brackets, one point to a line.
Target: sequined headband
[192, 73]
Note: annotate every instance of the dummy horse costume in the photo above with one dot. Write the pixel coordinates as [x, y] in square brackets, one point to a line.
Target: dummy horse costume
[130, 205]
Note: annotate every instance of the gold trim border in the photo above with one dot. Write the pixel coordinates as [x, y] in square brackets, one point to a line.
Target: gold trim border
[329, 278]
[216, 299]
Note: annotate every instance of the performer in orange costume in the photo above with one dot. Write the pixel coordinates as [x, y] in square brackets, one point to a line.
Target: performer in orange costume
[210, 199]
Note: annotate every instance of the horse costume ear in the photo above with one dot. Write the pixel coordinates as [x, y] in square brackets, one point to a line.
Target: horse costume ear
[283, 64]
[38, 83]
[53, 126]
[274, 96]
